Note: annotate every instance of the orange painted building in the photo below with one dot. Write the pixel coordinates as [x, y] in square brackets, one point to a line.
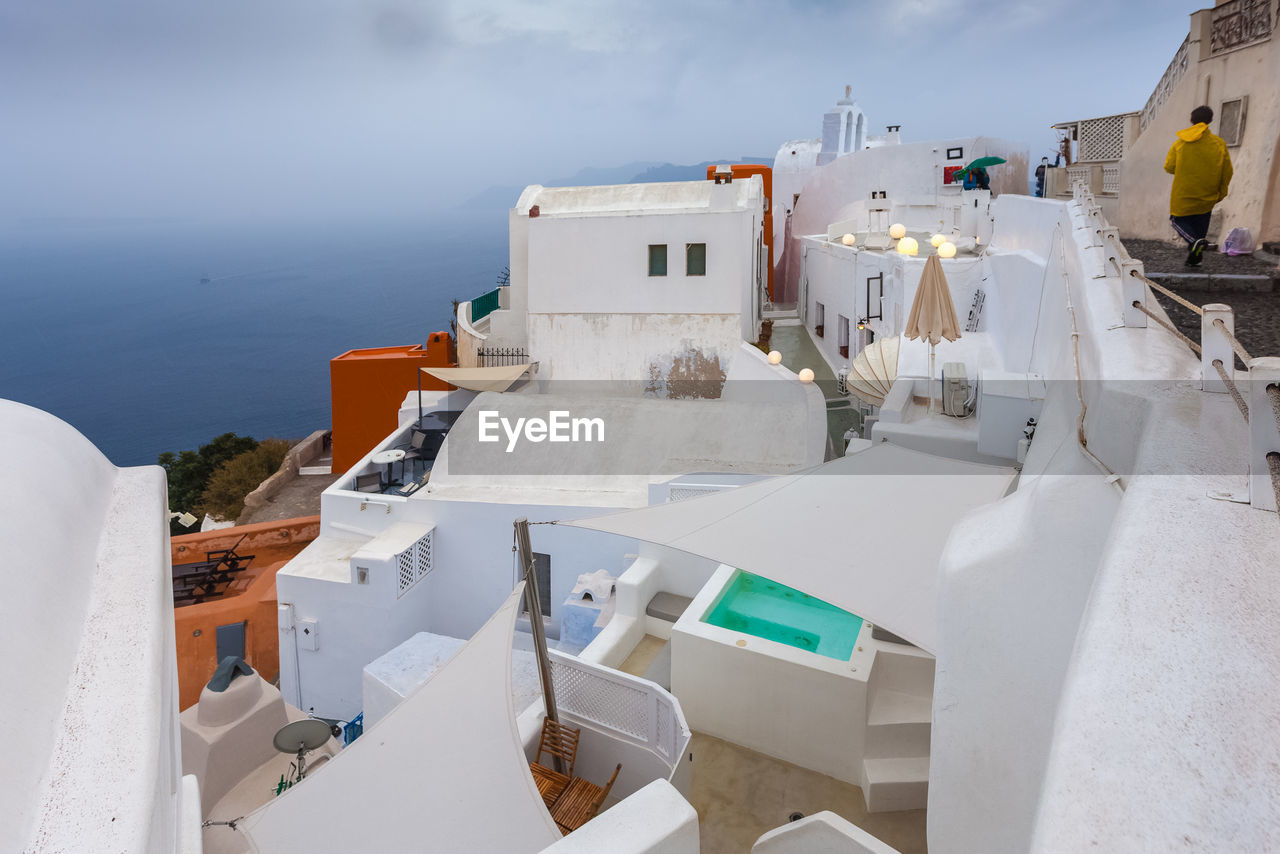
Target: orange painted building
[243, 617]
[367, 388]
[746, 170]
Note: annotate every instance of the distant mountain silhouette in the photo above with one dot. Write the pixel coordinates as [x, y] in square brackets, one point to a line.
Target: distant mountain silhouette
[637, 172]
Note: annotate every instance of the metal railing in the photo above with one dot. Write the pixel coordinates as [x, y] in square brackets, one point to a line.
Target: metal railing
[485, 304]
[493, 357]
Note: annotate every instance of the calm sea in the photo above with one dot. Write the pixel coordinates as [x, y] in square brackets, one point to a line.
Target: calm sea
[108, 326]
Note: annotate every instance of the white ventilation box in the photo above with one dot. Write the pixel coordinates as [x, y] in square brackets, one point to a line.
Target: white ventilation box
[1005, 401]
[955, 390]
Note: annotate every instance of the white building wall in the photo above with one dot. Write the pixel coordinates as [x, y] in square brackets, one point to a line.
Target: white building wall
[594, 312]
[911, 174]
[92, 762]
[473, 572]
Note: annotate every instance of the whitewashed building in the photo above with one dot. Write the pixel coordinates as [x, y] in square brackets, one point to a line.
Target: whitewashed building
[92, 762]
[652, 282]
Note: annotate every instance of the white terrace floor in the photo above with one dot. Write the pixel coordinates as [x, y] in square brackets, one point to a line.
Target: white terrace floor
[740, 794]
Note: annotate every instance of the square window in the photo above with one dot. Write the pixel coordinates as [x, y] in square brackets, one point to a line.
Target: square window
[955, 153]
[695, 259]
[1231, 120]
[657, 259]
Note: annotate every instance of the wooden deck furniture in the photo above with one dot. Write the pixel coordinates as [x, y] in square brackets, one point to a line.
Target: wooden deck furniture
[551, 784]
[560, 742]
[196, 582]
[580, 802]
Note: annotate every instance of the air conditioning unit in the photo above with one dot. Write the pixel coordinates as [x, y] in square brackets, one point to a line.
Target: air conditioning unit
[956, 390]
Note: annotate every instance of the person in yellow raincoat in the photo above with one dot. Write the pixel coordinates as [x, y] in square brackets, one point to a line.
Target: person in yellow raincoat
[1201, 170]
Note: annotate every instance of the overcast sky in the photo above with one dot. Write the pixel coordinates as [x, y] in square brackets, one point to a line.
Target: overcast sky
[146, 108]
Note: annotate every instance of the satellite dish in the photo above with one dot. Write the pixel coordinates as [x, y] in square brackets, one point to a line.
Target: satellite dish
[299, 737]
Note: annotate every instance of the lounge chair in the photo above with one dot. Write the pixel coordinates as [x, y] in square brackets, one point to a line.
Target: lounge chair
[580, 802]
[561, 742]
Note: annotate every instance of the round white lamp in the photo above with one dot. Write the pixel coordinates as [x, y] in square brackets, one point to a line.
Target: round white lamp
[805, 375]
[937, 240]
[897, 231]
[947, 250]
[848, 240]
[908, 246]
[775, 358]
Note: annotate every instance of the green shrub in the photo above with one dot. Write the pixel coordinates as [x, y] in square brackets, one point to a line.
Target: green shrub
[223, 497]
[188, 472]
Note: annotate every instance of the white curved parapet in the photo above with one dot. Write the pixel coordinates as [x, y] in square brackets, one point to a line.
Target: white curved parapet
[91, 673]
[821, 833]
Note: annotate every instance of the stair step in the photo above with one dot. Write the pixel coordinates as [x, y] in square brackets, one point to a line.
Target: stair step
[899, 707]
[895, 783]
[898, 740]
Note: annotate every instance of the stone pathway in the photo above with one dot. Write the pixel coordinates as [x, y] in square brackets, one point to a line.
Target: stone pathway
[1256, 300]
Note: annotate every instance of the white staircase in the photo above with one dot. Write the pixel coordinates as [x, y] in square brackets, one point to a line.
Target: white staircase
[895, 765]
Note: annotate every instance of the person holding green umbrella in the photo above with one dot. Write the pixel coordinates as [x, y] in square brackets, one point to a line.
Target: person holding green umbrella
[975, 174]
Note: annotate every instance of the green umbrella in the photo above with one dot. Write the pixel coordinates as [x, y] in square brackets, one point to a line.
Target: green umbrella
[980, 163]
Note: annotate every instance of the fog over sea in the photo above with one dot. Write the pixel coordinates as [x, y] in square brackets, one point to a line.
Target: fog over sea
[106, 324]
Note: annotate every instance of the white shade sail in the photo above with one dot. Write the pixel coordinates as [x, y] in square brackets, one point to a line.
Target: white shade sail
[864, 532]
[443, 771]
[499, 378]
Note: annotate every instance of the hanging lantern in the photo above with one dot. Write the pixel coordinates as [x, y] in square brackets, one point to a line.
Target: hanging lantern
[908, 246]
[897, 231]
[937, 240]
[947, 250]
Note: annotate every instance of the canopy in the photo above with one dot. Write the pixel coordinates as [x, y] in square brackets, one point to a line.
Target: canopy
[445, 769]
[498, 378]
[872, 372]
[864, 532]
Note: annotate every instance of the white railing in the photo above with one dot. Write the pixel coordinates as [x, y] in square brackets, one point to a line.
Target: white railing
[1168, 82]
[631, 709]
[1080, 174]
[1111, 178]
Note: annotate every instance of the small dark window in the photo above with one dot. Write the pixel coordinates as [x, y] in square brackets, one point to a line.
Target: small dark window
[820, 320]
[955, 153]
[231, 641]
[842, 334]
[657, 259]
[695, 259]
[541, 571]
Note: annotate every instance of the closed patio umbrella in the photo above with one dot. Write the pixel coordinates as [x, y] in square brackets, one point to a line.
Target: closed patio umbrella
[933, 315]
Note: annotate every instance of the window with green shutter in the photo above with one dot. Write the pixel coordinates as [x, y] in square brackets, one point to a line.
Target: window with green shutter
[695, 259]
[657, 259]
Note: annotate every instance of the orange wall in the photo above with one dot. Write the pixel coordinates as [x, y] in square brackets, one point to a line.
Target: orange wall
[746, 170]
[367, 388]
[196, 626]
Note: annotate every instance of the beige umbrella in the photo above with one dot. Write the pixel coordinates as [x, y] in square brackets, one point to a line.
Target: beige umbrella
[933, 315]
[872, 372]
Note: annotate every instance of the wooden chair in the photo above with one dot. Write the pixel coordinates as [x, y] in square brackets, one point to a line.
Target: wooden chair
[580, 802]
[560, 741]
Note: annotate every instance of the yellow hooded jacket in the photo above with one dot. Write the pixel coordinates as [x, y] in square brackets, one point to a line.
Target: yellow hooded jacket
[1201, 170]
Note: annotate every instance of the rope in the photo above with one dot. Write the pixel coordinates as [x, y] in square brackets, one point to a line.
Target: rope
[1231, 387]
[1231, 339]
[1185, 303]
[1081, 439]
[1169, 326]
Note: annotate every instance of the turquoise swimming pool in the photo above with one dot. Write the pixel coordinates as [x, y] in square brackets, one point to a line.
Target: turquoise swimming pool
[766, 609]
